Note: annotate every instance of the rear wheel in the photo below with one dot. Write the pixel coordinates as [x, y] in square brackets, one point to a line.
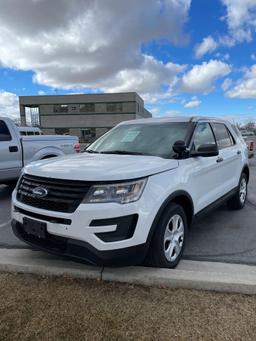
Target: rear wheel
[237, 202]
[168, 242]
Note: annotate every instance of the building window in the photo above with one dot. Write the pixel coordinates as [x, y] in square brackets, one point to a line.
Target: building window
[60, 108]
[87, 135]
[62, 131]
[87, 107]
[73, 108]
[114, 107]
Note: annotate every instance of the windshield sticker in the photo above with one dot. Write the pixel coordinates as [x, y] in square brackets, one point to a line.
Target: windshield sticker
[130, 136]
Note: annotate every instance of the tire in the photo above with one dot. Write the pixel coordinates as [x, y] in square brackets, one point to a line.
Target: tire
[238, 201]
[12, 184]
[166, 248]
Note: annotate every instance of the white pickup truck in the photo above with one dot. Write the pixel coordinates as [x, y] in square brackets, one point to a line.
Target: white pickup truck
[17, 151]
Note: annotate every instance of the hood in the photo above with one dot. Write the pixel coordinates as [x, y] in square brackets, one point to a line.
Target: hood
[100, 167]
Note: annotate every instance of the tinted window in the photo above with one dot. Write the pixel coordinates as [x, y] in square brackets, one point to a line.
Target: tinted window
[114, 107]
[62, 131]
[60, 108]
[149, 139]
[4, 132]
[88, 107]
[222, 135]
[203, 135]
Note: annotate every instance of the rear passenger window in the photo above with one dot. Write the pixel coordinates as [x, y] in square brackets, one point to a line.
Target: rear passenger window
[4, 132]
[223, 136]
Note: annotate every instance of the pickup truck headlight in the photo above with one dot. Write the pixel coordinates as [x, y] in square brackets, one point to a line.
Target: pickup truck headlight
[122, 193]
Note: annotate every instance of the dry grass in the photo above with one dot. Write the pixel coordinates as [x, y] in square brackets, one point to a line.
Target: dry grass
[41, 308]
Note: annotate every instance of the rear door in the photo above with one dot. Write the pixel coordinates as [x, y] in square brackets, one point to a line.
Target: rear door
[229, 160]
[10, 155]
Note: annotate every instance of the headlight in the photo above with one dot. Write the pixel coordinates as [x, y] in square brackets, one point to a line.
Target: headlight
[122, 193]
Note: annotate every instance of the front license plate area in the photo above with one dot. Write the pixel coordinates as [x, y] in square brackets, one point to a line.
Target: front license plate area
[35, 228]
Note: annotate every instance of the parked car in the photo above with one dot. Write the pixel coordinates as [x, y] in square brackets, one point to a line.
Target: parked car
[133, 194]
[29, 131]
[246, 133]
[17, 151]
[250, 139]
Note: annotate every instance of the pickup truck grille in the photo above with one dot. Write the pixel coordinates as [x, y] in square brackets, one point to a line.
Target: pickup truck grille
[63, 195]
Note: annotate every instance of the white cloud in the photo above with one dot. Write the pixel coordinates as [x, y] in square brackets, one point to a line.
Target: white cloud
[253, 56]
[245, 87]
[241, 20]
[200, 79]
[226, 84]
[41, 92]
[91, 43]
[154, 111]
[9, 104]
[146, 78]
[208, 45]
[193, 103]
[171, 113]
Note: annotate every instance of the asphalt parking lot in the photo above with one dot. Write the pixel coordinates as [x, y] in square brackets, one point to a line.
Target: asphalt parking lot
[222, 236]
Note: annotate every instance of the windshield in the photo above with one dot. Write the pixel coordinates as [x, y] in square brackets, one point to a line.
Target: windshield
[154, 139]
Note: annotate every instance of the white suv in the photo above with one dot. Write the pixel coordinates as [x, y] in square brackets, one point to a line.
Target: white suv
[135, 191]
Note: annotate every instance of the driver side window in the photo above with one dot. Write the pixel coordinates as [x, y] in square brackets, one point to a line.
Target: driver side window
[203, 135]
[4, 132]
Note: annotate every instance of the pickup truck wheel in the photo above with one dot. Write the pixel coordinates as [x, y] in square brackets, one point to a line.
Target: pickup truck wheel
[237, 202]
[168, 242]
[12, 184]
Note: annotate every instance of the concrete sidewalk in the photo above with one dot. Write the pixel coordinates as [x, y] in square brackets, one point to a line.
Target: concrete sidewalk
[189, 274]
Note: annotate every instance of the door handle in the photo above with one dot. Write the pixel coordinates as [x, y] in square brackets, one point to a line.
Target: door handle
[238, 152]
[13, 149]
[220, 159]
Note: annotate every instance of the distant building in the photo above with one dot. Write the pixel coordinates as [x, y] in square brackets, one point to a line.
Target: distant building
[87, 116]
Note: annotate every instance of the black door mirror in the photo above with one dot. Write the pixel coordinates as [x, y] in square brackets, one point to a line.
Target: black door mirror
[206, 150]
[179, 147]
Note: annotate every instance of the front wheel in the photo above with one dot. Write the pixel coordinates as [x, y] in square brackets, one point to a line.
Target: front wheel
[169, 239]
[237, 202]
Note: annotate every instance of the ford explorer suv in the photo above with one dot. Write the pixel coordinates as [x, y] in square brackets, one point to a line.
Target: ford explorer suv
[16, 151]
[131, 197]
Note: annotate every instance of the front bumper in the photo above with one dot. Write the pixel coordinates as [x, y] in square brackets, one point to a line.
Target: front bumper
[81, 250]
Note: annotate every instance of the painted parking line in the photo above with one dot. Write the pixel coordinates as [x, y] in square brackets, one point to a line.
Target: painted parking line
[6, 223]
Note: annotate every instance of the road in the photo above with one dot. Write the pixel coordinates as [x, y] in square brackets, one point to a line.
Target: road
[222, 236]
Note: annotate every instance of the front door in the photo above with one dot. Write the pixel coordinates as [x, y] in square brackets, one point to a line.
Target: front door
[10, 155]
[206, 179]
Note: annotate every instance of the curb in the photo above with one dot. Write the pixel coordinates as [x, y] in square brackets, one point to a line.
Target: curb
[189, 274]
[35, 262]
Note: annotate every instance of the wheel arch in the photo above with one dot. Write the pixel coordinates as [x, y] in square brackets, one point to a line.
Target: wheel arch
[246, 171]
[181, 198]
[49, 156]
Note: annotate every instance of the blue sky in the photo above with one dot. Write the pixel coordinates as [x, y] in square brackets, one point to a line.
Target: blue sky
[182, 56]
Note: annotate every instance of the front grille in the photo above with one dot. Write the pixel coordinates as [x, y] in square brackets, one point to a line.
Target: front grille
[63, 195]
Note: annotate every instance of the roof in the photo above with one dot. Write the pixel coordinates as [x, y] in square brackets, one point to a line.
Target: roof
[174, 119]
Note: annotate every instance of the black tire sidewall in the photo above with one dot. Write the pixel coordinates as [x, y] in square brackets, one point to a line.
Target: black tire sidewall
[235, 203]
[243, 176]
[158, 255]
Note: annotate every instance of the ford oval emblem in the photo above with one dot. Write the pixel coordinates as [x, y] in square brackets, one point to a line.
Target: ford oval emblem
[40, 192]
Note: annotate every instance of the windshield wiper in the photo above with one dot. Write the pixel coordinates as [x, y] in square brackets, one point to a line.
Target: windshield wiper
[121, 152]
[91, 151]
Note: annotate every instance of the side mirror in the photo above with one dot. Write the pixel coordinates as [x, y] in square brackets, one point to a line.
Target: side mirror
[206, 150]
[179, 147]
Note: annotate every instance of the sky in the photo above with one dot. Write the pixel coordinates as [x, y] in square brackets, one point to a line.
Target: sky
[184, 57]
